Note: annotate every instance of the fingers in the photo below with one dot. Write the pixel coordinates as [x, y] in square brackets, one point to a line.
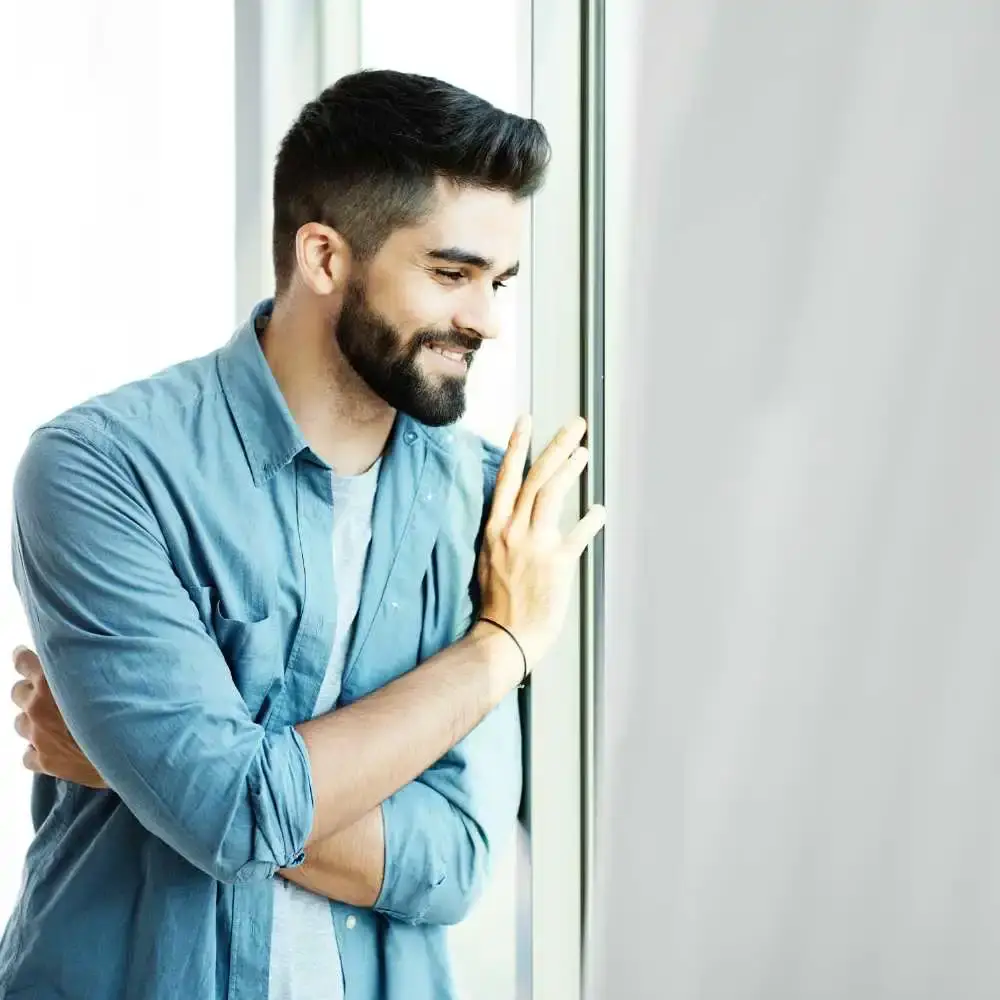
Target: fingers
[585, 530]
[511, 472]
[551, 460]
[31, 761]
[22, 727]
[552, 496]
[21, 693]
[26, 662]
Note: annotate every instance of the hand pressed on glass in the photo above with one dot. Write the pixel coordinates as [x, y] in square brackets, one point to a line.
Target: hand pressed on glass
[526, 564]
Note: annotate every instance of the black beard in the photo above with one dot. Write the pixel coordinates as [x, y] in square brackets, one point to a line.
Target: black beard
[373, 348]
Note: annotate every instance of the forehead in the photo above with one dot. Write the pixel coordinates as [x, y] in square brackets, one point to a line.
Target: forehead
[489, 224]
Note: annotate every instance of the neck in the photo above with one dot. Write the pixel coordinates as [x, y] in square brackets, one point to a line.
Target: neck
[344, 422]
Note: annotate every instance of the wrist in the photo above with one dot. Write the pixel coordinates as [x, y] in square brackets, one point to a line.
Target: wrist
[501, 657]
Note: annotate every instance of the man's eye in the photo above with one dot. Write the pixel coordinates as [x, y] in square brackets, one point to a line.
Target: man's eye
[450, 275]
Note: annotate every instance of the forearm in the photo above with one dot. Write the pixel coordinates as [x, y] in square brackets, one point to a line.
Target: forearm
[362, 754]
[347, 867]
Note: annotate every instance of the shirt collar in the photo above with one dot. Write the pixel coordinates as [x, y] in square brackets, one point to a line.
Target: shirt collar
[270, 436]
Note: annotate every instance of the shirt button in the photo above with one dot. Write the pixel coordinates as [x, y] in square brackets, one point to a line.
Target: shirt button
[410, 436]
[351, 922]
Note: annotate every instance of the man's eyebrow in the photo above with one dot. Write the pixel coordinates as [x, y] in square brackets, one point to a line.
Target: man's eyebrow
[456, 255]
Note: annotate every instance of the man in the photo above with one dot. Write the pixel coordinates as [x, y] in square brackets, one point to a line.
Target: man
[257, 587]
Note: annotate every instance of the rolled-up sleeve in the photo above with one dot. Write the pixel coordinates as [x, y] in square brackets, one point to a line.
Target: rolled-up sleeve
[443, 830]
[143, 687]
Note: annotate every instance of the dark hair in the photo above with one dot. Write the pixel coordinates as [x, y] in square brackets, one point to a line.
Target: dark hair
[364, 156]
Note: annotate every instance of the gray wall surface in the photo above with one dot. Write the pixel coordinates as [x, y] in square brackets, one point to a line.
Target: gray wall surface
[799, 778]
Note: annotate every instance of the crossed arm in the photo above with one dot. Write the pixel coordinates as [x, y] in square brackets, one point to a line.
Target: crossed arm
[348, 866]
[152, 705]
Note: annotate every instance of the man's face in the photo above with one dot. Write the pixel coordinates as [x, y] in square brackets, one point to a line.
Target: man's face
[411, 324]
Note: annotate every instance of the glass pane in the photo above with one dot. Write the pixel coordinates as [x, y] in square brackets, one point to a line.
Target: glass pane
[485, 50]
[121, 207]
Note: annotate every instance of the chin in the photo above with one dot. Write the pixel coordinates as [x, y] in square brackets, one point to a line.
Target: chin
[434, 411]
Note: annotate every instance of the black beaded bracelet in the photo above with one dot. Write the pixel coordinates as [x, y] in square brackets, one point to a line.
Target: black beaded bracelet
[520, 648]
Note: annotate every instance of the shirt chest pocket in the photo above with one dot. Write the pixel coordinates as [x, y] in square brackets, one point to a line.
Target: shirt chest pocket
[250, 643]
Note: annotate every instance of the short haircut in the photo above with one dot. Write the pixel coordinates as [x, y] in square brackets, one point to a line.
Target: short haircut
[364, 158]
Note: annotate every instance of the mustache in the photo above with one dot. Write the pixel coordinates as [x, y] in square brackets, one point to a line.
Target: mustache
[452, 338]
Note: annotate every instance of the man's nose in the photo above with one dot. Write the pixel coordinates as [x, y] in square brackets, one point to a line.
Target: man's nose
[477, 313]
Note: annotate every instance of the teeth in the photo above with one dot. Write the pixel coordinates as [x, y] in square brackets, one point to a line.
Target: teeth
[452, 355]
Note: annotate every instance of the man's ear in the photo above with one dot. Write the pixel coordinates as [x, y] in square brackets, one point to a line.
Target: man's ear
[323, 258]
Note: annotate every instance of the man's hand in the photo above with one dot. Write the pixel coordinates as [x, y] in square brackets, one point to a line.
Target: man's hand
[51, 750]
[527, 565]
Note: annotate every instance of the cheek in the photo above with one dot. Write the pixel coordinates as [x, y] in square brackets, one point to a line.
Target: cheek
[419, 305]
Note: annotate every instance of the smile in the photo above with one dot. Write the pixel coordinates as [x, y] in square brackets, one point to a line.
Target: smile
[450, 354]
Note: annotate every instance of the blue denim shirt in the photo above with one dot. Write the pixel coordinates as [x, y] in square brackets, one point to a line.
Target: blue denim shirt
[171, 547]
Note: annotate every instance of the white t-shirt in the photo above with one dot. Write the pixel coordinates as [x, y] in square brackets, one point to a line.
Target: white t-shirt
[305, 957]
